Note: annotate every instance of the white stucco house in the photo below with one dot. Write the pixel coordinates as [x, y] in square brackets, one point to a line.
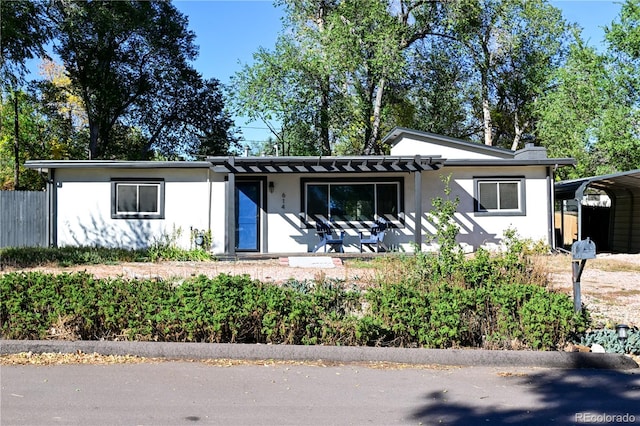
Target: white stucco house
[272, 204]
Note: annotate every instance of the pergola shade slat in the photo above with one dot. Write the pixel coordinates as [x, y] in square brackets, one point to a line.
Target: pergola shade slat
[369, 164]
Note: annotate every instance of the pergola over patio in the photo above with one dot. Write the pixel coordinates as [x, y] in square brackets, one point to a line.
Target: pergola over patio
[307, 165]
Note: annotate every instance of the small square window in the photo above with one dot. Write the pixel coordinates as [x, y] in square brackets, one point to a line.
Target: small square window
[500, 196]
[137, 199]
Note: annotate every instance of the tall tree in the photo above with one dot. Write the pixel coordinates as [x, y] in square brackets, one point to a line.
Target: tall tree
[570, 113]
[64, 111]
[513, 46]
[23, 34]
[36, 131]
[364, 44]
[184, 111]
[111, 51]
[287, 90]
[591, 112]
[291, 88]
[347, 54]
[623, 39]
[126, 60]
[437, 95]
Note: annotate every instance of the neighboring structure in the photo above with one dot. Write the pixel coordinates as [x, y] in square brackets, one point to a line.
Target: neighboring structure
[271, 204]
[604, 208]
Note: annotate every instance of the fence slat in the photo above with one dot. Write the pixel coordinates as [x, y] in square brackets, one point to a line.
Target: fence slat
[23, 219]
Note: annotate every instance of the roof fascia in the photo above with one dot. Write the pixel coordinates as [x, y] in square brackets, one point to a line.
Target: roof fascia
[507, 162]
[98, 164]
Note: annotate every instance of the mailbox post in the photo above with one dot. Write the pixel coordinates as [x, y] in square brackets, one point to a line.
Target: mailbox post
[581, 251]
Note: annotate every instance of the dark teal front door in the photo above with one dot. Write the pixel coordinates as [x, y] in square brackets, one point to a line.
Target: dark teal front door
[248, 201]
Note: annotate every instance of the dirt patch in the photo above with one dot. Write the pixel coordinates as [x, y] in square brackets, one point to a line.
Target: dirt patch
[610, 285]
[271, 270]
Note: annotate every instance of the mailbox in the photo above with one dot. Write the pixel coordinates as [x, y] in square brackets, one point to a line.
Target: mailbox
[585, 249]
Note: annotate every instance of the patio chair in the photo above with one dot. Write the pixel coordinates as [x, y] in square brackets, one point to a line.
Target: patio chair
[375, 237]
[324, 231]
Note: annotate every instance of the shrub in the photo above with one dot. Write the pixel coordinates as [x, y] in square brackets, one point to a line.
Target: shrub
[608, 338]
[429, 300]
[238, 309]
[25, 257]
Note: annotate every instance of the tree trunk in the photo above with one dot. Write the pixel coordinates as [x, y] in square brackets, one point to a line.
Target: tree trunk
[93, 141]
[518, 130]
[372, 142]
[16, 142]
[324, 119]
[485, 70]
[486, 113]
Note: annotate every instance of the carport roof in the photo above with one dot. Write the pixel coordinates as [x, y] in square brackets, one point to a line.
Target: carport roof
[623, 184]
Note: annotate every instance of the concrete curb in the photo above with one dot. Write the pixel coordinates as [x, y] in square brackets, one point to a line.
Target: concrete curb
[458, 357]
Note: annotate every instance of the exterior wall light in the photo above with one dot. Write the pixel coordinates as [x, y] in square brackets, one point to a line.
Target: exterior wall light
[272, 187]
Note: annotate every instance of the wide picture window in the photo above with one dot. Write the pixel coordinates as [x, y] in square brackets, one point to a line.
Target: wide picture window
[500, 196]
[137, 199]
[352, 201]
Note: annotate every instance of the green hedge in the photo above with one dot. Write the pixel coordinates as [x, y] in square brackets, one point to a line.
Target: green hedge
[485, 313]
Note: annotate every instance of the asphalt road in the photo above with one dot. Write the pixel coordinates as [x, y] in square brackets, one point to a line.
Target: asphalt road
[191, 393]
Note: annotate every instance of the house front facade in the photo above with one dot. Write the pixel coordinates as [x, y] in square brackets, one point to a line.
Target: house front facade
[272, 204]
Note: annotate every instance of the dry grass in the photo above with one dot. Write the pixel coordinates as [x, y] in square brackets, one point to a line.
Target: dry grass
[29, 358]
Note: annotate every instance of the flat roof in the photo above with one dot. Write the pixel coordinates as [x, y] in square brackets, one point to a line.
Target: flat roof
[306, 164]
[80, 164]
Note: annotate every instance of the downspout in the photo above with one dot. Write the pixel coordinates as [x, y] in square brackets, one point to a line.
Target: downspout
[210, 184]
[52, 207]
[632, 205]
[230, 211]
[563, 207]
[551, 209]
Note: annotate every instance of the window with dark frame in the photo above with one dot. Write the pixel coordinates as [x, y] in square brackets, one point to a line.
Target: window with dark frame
[137, 199]
[499, 196]
[344, 201]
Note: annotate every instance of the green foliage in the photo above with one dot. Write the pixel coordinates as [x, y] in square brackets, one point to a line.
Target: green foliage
[25, 33]
[443, 218]
[201, 239]
[608, 339]
[25, 257]
[511, 48]
[39, 135]
[222, 309]
[487, 303]
[142, 96]
[166, 247]
[483, 305]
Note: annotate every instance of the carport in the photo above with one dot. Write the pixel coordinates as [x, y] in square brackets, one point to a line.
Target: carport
[619, 230]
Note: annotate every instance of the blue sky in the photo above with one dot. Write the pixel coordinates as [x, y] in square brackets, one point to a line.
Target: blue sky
[229, 32]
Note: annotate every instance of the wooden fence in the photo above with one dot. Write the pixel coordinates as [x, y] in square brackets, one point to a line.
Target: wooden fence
[23, 219]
